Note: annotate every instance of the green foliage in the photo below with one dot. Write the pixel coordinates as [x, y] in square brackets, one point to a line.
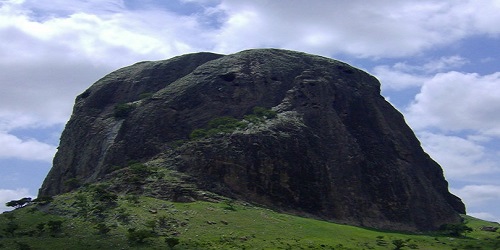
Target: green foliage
[72, 183]
[11, 227]
[228, 124]
[55, 226]
[455, 230]
[151, 224]
[19, 203]
[263, 112]
[40, 227]
[102, 229]
[134, 199]
[138, 236]
[140, 169]
[23, 246]
[230, 205]
[123, 110]
[43, 200]
[172, 242]
[205, 225]
[398, 244]
[145, 95]
[198, 133]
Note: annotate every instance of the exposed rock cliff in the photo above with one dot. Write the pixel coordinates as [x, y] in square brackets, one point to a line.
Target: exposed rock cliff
[335, 148]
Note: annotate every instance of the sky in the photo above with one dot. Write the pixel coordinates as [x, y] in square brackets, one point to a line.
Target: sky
[438, 62]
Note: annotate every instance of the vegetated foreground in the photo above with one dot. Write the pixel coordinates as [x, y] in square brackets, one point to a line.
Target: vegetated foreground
[96, 218]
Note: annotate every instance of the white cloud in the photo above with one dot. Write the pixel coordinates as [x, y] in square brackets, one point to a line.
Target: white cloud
[395, 79]
[30, 149]
[455, 101]
[402, 75]
[459, 157]
[45, 62]
[7, 195]
[482, 201]
[475, 195]
[379, 29]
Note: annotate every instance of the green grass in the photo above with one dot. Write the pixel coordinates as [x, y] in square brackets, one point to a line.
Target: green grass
[206, 225]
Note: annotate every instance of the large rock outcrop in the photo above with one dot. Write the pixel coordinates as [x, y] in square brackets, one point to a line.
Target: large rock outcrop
[335, 150]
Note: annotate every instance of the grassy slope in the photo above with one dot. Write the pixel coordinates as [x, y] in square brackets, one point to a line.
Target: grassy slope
[204, 225]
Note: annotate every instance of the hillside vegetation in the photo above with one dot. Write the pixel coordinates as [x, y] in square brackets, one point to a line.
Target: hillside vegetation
[95, 218]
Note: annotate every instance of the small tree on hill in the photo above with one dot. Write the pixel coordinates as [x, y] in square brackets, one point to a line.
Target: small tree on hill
[19, 203]
[455, 230]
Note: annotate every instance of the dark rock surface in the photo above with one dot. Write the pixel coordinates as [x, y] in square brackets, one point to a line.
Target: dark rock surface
[336, 149]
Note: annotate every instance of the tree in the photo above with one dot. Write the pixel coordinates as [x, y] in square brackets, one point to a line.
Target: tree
[455, 230]
[19, 203]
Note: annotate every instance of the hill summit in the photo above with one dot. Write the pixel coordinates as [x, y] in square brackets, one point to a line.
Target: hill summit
[291, 131]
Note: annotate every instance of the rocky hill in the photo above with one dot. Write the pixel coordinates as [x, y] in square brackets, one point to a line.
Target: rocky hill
[291, 131]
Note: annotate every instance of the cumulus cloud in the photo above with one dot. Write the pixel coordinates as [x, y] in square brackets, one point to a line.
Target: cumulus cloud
[48, 57]
[456, 101]
[7, 195]
[52, 50]
[460, 158]
[476, 195]
[30, 149]
[402, 75]
[381, 29]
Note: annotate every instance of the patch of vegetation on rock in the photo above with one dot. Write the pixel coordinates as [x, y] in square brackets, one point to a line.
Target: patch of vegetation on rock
[227, 124]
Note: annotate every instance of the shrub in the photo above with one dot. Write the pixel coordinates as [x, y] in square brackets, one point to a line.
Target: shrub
[55, 226]
[455, 230]
[138, 236]
[145, 95]
[11, 227]
[263, 112]
[102, 229]
[172, 242]
[198, 133]
[43, 200]
[72, 183]
[123, 110]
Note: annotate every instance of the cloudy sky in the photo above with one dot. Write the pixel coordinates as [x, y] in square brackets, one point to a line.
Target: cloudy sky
[438, 62]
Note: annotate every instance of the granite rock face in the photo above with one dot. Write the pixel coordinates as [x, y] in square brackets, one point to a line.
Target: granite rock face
[335, 149]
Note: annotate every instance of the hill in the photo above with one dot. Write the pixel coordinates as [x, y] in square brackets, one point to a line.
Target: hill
[286, 130]
[92, 218]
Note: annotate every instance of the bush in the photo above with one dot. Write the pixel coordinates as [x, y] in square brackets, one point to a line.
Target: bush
[55, 226]
[455, 230]
[228, 124]
[145, 95]
[72, 183]
[172, 242]
[123, 110]
[198, 133]
[43, 200]
[138, 236]
[263, 112]
[102, 229]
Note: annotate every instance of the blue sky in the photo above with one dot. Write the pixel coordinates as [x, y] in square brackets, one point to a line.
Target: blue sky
[438, 61]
